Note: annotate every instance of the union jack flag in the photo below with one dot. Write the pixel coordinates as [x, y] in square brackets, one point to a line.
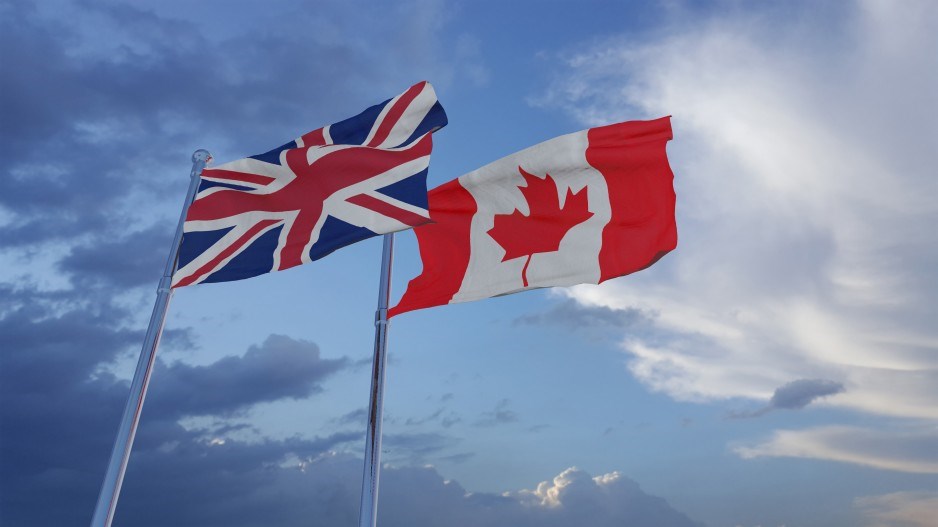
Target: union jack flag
[334, 186]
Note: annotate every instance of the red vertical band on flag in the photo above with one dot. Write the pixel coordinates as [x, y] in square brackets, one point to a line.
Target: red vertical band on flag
[444, 249]
[395, 112]
[632, 158]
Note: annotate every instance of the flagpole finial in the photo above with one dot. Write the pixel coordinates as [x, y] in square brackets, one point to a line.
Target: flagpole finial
[201, 155]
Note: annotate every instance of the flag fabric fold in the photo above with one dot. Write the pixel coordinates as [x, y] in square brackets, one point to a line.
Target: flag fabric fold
[334, 186]
[580, 208]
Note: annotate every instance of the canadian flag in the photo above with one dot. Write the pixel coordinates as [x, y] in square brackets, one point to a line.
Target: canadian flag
[580, 208]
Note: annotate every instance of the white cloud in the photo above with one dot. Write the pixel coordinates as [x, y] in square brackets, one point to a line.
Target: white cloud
[914, 451]
[804, 154]
[412, 496]
[245, 485]
[574, 497]
[900, 509]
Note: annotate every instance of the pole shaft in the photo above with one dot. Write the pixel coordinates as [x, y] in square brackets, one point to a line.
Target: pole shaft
[368, 513]
[114, 477]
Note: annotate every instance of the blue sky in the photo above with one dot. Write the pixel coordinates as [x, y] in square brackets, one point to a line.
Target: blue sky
[779, 368]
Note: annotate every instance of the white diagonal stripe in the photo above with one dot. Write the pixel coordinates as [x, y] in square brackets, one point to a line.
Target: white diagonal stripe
[420, 211]
[411, 118]
[380, 119]
[367, 218]
[229, 238]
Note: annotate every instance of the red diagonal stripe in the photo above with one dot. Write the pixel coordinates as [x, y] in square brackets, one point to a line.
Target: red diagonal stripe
[243, 239]
[218, 173]
[395, 113]
[381, 207]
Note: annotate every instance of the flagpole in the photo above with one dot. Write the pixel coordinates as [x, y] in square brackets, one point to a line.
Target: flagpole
[368, 513]
[114, 477]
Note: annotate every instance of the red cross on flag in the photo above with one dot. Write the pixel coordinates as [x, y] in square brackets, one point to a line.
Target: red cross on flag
[580, 208]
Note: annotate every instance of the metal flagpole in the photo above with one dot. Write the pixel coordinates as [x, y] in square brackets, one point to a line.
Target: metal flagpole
[114, 477]
[368, 513]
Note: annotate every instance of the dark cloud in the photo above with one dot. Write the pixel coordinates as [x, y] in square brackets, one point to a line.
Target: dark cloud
[59, 179]
[60, 409]
[58, 414]
[49, 338]
[461, 457]
[413, 421]
[415, 448]
[95, 130]
[279, 368]
[798, 394]
[573, 315]
[499, 416]
[132, 260]
[224, 428]
[327, 488]
[357, 417]
[446, 418]
[795, 396]
[450, 420]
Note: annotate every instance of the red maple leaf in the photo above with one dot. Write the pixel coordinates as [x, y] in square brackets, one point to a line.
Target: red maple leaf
[542, 230]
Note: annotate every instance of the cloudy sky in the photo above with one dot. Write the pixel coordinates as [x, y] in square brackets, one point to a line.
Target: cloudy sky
[779, 368]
